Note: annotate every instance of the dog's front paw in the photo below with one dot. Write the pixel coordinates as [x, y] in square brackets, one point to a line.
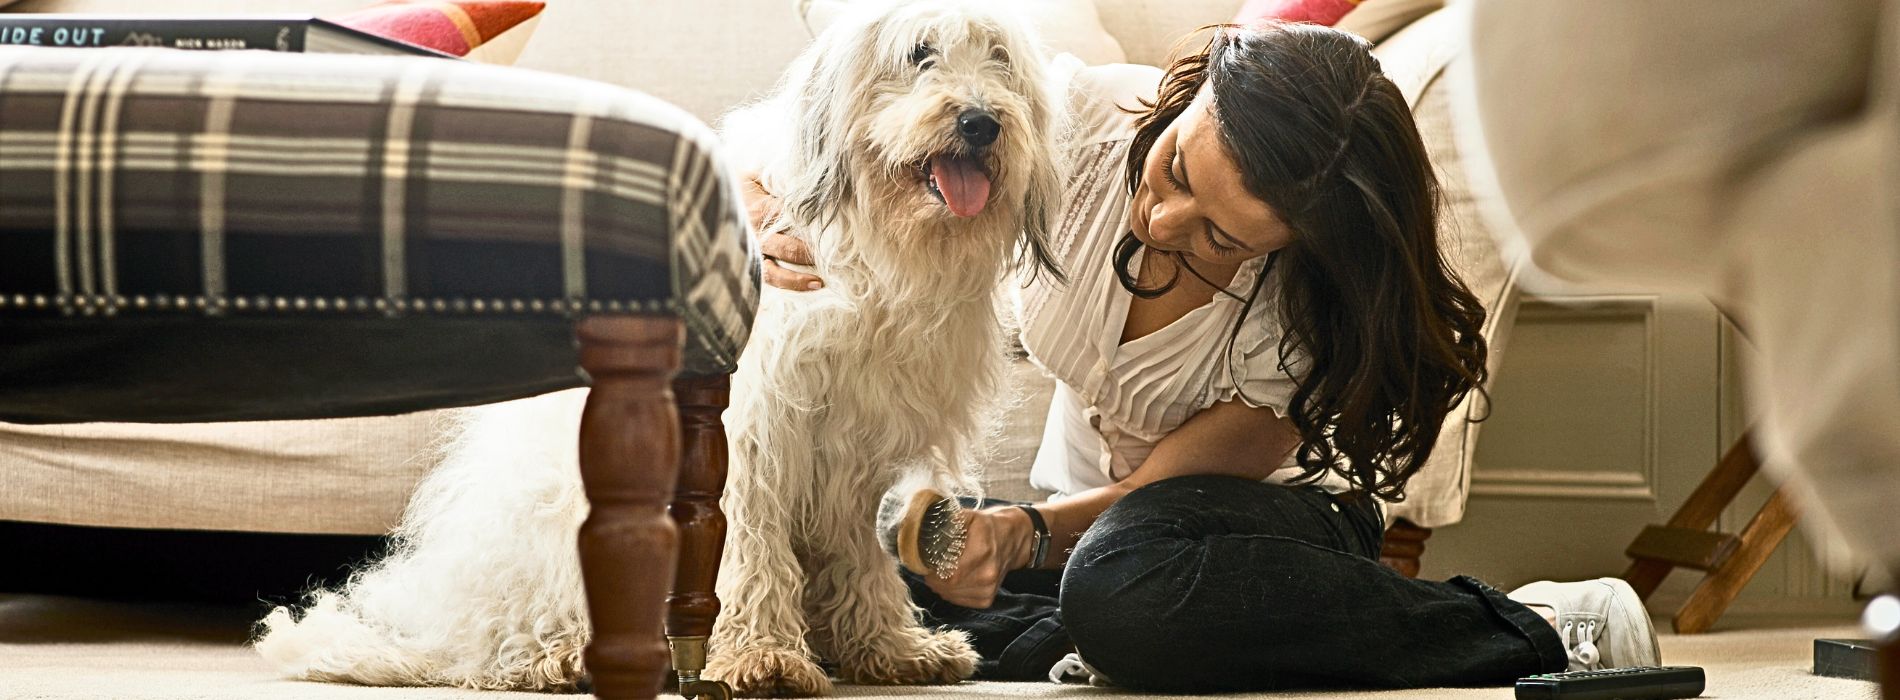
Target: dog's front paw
[920, 657]
[763, 672]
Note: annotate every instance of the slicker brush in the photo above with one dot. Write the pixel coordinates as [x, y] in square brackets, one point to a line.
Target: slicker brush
[926, 532]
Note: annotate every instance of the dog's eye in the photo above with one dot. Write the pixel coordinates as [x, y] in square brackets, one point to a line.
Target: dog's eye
[1000, 55]
[921, 53]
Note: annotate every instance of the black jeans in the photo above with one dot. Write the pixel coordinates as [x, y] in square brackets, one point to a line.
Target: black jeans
[1213, 584]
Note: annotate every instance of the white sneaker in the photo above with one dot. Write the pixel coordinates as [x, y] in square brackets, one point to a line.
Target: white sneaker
[1602, 623]
[1073, 667]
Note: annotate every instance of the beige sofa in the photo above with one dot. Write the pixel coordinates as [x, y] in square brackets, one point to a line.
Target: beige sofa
[353, 476]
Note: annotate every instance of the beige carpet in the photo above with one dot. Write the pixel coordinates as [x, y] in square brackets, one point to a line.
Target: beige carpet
[69, 649]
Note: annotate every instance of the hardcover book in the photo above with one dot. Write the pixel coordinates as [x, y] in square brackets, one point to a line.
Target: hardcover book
[286, 33]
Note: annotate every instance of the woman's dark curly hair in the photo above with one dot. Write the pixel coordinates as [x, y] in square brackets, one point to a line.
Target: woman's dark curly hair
[1390, 332]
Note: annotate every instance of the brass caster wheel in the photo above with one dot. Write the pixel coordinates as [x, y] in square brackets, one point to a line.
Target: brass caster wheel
[706, 690]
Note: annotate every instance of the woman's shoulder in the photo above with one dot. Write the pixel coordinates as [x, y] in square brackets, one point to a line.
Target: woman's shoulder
[1101, 99]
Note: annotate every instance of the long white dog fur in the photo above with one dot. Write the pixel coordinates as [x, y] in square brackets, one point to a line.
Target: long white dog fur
[883, 374]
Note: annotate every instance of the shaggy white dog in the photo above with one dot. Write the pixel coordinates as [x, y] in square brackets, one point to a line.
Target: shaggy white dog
[914, 147]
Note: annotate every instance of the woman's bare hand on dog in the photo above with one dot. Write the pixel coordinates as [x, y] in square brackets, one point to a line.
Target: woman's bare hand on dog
[778, 246]
[997, 543]
[762, 207]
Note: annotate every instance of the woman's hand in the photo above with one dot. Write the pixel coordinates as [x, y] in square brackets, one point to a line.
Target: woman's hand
[763, 208]
[997, 543]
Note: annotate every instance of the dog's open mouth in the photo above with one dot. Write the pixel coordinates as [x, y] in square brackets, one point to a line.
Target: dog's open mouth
[959, 181]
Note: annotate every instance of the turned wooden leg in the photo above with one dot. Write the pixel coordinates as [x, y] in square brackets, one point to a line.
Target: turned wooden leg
[702, 526]
[1404, 544]
[629, 457]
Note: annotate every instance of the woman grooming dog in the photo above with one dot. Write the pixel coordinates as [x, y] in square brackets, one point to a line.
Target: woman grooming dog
[1256, 348]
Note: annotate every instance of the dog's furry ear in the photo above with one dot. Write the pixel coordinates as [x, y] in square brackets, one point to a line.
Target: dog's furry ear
[819, 102]
[1042, 200]
[1041, 206]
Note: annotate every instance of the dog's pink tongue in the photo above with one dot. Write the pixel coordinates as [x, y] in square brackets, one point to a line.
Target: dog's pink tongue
[964, 186]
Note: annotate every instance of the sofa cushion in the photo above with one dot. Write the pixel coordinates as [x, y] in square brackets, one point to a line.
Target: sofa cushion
[260, 207]
[1415, 59]
[1150, 30]
[344, 476]
[1376, 20]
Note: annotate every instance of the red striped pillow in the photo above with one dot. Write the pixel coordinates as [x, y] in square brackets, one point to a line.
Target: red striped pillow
[454, 27]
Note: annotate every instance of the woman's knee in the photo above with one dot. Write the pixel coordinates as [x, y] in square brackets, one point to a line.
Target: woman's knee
[1134, 648]
[1118, 605]
[1142, 598]
[1140, 642]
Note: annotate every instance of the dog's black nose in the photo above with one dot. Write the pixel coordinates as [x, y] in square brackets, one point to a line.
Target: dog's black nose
[977, 127]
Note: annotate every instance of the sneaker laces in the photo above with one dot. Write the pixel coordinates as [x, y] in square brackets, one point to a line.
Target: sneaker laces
[1579, 640]
[1072, 666]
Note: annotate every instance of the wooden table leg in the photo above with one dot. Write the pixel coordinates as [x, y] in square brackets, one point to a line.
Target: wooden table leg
[629, 454]
[702, 526]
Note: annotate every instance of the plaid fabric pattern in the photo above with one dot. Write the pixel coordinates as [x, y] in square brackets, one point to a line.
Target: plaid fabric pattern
[139, 182]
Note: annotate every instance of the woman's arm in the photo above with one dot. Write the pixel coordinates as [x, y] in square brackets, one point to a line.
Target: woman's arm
[1228, 438]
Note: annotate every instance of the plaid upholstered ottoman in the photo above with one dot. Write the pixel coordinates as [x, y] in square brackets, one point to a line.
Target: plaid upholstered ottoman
[215, 236]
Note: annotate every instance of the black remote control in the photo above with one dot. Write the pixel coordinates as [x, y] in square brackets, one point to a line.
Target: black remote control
[1634, 683]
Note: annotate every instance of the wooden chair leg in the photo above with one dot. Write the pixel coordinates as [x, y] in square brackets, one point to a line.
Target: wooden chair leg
[629, 454]
[1697, 513]
[1729, 560]
[1758, 540]
[693, 606]
[1404, 545]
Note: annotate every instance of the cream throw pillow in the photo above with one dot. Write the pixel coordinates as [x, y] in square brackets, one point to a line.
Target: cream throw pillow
[1066, 26]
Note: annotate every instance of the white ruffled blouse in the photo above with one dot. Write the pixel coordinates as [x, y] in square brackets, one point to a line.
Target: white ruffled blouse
[1114, 401]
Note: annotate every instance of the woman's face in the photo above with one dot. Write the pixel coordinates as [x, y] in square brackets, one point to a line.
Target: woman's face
[1191, 199]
